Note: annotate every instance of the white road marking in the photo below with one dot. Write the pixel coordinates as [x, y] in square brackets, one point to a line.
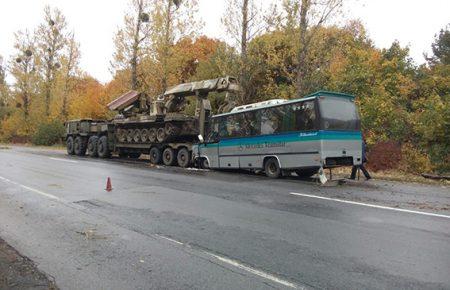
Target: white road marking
[30, 189]
[253, 271]
[239, 265]
[372, 205]
[169, 239]
[64, 160]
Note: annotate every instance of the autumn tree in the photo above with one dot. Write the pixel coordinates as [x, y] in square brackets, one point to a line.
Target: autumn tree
[51, 37]
[132, 41]
[23, 68]
[302, 19]
[243, 20]
[69, 61]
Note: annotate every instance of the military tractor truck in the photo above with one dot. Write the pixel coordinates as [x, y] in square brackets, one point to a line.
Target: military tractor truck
[146, 125]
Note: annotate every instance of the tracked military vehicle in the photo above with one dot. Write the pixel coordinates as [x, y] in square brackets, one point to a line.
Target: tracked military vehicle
[155, 126]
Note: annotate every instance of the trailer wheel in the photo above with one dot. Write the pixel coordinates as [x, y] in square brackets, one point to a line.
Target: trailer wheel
[130, 135]
[152, 135]
[184, 158]
[155, 156]
[161, 135]
[272, 168]
[137, 136]
[69, 145]
[169, 157]
[79, 146]
[92, 146]
[102, 147]
[144, 135]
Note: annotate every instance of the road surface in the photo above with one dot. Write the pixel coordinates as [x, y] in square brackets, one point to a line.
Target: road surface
[171, 228]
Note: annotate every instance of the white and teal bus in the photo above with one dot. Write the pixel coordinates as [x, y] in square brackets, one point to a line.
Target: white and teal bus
[321, 130]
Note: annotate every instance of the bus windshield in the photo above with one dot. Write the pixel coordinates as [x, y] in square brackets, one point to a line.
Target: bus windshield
[338, 113]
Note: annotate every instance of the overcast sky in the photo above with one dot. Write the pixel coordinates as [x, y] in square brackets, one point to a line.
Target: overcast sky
[412, 22]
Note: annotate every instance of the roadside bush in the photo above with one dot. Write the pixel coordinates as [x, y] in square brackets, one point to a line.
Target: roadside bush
[414, 161]
[48, 133]
[384, 156]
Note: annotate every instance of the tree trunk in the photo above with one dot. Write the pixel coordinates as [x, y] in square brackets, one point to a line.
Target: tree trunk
[134, 61]
[244, 62]
[301, 54]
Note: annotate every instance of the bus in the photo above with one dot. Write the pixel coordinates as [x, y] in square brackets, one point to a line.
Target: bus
[321, 130]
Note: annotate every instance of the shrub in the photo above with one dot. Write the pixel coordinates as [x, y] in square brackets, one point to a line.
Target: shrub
[414, 161]
[384, 155]
[48, 133]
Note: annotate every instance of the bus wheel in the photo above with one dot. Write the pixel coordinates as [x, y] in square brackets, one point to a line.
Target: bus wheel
[204, 163]
[79, 146]
[272, 168]
[305, 173]
[69, 144]
[155, 156]
[92, 146]
[169, 157]
[184, 158]
[102, 147]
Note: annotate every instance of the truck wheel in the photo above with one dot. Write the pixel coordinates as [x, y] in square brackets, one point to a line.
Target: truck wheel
[184, 158]
[304, 173]
[272, 168]
[161, 135]
[169, 157]
[155, 156]
[79, 146]
[102, 147]
[69, 144]
[92, 146]
[152, 135]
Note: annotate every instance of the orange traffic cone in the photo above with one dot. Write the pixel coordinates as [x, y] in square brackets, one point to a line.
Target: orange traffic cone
[108, 185]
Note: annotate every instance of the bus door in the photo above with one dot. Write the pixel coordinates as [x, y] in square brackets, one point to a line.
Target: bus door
[229, 132]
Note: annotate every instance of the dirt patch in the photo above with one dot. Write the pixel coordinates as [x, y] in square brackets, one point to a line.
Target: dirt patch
[19, 272]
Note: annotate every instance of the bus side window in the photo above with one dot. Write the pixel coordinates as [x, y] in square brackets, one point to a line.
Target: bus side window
[250, 124]
[269, 122]
[305, 116]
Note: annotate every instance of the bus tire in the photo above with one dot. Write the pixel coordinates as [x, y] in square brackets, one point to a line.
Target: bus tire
[169, 157]
[92, 146]
[69, 145]
[305, 173]
[155, 156]
[184, 158]
[272, 168]
[102, 147]
[79, 146]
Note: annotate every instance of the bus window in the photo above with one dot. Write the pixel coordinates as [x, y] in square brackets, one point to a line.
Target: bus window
[250, 124]
[305, 116]
[338, 114]
[271, 120]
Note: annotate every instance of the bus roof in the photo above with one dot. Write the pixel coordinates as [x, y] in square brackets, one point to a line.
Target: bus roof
[308, 97]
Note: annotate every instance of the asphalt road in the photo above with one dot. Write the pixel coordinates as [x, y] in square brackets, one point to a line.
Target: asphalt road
[170, 228]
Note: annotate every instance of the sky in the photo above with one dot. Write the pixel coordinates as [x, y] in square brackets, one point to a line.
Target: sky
[412, 22]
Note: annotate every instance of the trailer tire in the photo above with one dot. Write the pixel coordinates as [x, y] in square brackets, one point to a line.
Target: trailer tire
[92, 146]
[169, 157]
[102, 147]
[69, 145]
[155, 156]
[79, 146]
[272, 168]
[184, 158]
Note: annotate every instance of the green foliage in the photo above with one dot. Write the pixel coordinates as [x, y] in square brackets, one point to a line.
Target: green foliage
[48, 133]
[441, 47]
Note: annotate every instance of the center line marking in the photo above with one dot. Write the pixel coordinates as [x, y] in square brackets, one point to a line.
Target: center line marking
[64, 160]
[30, 189]
[239, 265]
[371, 205]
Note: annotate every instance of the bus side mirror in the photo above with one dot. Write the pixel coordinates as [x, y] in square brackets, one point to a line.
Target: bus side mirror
[200, 138]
